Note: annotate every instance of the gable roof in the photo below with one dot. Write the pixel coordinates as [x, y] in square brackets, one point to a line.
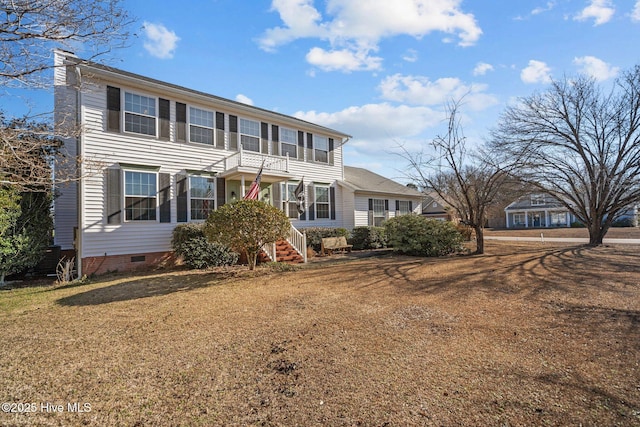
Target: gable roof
[363, 180]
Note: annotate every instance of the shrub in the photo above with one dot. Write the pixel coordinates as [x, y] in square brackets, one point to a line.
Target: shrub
[577, 224]
[369, 238]
[190, 243]
[246, 226]
[316, 234]
[416, 235]
[623, 222]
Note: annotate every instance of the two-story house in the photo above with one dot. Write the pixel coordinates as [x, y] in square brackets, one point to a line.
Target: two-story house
[154, 155]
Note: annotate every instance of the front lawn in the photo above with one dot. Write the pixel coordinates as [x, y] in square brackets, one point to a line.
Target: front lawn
[527, 334]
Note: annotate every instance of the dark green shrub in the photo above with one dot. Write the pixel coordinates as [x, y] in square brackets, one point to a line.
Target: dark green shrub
[316, 234]
[417, 235]
[190, 243]
[369, 238]
[623, 222]
[577, 224]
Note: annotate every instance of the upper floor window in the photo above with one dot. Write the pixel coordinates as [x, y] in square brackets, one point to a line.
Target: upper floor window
[321, 148]
[139, 114]
[537, 200]
[202, 196]
[201, 126]
[322, 202]
[250, 135]
[140, 196]
[288, 142]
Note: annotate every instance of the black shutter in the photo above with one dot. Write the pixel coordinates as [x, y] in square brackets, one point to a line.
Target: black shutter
[233, 132]
[113, 109]
[371, 223]
[181, 122]
[181, 197]
[164, 197]
[165, 118]
[397, 207]
[332, 201]
[410, 206]
[114, 195]
[331, 145]
[275, 138]
[264, 134]
[312, 202]
[220, 130]
[310, 156]
[221, 194]
[276, 188]
[300, 145]
[386, 209]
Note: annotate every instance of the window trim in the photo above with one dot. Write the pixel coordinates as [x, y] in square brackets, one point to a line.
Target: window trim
[212, 129]
[294, 144]
[189, 197]
[408, 205]
[316, 202]
[156, 107]
[384, 212]
[241, 133]
[316, 149]
[125, 195]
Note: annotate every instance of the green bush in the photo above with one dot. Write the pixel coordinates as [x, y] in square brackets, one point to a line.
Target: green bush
[416, 235]
[316, 234]
[623, 222]
[577, 224]
[190, 243]
[369, 238]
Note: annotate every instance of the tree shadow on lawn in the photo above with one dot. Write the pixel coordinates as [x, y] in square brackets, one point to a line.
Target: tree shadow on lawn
[534, 271]
[147, 287]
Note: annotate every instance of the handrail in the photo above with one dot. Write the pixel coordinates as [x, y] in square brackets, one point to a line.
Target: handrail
[299, 242]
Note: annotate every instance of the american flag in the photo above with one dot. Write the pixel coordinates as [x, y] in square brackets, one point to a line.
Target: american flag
[254, 190]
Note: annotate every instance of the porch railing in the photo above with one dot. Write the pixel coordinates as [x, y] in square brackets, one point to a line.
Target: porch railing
[253, 159]
[296, 239]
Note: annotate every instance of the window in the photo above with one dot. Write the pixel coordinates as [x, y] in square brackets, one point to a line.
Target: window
[537, 200]
[140, 194]
[202, 196]
[322, 202]
[321, 148]
[288, 142]
[289, 205]
[378, 212]
[250, 135]
[139, 114]
[404, 207]
[518, 219]
[200, 126]
[558, 219]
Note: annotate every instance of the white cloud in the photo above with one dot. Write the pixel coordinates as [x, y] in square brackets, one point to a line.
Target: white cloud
[342, 60]
[601, 11]
[160, 42]
[377, 123]
[538, 10]
[419, 90]
[596, 68]
[536, 72]
[411, 55]
[244, 99]
[635, 15]
[482, 68]
[347, 25]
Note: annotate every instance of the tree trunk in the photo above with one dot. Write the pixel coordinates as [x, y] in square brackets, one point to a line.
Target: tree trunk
[596, 232]
[251, 259]
[479, 239]
[2, 276]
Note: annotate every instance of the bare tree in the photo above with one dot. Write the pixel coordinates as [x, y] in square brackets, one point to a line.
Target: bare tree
[580, 145]
[30, 29]
[469, 182]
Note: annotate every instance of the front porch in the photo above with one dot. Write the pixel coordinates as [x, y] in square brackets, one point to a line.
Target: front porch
[538, 218]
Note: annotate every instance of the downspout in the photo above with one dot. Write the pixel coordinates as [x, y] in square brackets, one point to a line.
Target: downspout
[80, 186]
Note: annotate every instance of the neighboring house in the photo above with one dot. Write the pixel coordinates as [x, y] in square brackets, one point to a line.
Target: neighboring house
[156, 155]
[369, 199]
[537, 211]
[434, 207]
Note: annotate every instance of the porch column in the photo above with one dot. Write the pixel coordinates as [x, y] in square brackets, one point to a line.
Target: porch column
[546, 218]
[568, 219]
[242, 190]
[507, 217]
[526, 219]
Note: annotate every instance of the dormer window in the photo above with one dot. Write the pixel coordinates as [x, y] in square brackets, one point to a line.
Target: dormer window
[537, 200]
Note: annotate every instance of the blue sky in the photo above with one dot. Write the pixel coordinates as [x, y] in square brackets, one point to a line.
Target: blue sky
[381, 70]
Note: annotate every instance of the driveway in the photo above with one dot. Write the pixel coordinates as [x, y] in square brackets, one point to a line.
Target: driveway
[541, 238]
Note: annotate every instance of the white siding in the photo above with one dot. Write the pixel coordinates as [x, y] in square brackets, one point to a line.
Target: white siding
[111, 149]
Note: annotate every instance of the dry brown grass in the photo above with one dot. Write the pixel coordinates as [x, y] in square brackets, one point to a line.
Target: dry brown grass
[524, 335]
